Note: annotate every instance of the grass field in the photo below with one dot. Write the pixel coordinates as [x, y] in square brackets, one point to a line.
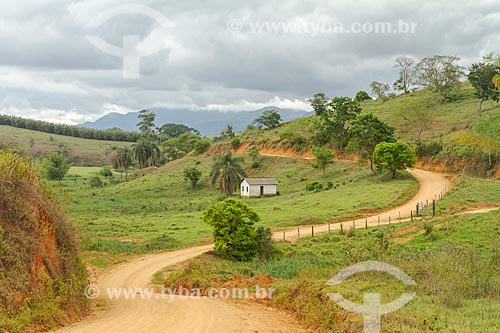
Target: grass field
[160, 210]
[454, 261]
[38, 144]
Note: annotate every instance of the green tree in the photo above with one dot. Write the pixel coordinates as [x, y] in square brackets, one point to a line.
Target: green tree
[145, 153]
[176, 130]
[192, 175]
[407, 68]
[233, 229]
[393, 156]
[336, 118]
[481, 77]
[147, 125]
[440, 74]
[362, 96]
[269, 119]
[323, 156]
[367, 131]
[254, 152]
[319, 103]
[55, 166]
[227, 171]
[123, 160]
[380, 89]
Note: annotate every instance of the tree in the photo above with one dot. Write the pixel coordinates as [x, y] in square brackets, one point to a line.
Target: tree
[481, 77]
[496, 81]
[254, 152]
[145, 153]
[440, 73]
[380, 89]
[147, 125]
[340, 111]
[176, 130]
[407, 74]
[269, 119]
[394, 156]
[233, 229]
[367, 131]
[323, 156]
[55, 166]
[124, 160]
[362, 96]
[319, 103]
[192, 175]
[228, 131]
[227, 171]
[419, 113]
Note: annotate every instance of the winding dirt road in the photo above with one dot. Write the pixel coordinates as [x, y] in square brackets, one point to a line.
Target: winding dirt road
[182, 314]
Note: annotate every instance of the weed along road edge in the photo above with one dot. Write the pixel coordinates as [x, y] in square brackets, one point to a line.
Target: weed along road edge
[184, 314]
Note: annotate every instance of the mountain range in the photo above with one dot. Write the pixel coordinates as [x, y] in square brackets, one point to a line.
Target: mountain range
[207, 122]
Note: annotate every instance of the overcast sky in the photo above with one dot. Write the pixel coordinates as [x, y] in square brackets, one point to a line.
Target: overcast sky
[212, 58]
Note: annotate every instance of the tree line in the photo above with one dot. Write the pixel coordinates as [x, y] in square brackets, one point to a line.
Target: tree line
[69, 130]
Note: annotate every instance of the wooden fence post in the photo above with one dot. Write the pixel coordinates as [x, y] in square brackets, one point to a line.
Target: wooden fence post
[379, 220]
[411, 215]
[328, 227]
[433, 207]
[341, 228]
[298, 232]
[353, 224]
[366, 223]
[312, 231]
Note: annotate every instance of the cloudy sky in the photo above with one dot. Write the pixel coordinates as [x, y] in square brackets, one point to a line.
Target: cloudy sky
[218, 54]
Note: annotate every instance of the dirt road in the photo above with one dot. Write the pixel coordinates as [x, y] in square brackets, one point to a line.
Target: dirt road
[181, 315]
[432, 185]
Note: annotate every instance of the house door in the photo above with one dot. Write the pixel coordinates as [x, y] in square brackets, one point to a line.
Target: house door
[262, 191]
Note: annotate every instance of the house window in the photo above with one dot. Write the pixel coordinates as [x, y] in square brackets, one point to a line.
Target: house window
[247, 188]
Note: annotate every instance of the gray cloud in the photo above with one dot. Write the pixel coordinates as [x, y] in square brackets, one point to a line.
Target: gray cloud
[49, 70]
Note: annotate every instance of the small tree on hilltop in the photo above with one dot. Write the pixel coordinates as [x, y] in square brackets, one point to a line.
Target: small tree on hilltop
[481, 78]
[269, 119]
[323, 157]
[362, 96]
[393, 156]
[233, 229]
[192, 175]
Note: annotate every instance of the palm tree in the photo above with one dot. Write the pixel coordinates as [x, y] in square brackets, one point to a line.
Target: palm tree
[228, 172]
[140, 153]
[124, 160]
[145, 153]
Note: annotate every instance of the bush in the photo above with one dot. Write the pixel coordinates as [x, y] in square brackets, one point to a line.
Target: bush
[233, 229]
[55, 166]
[96, 182]
[314, 186]
[329, 185]
[201, 146]
[265, 241]
[235, 143]
[106, 172]
[255, 165]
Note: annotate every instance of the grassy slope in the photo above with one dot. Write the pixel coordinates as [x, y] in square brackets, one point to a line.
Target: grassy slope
[81, 151]
[161, 211]
[449, 118]
[455, 266]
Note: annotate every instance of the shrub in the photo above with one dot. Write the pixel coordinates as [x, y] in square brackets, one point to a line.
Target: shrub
[106, 172]
[55, 166]
[255, 165]
[96, 182]
[233, 229]
[314, 186]
[235, 143]
[329, 185]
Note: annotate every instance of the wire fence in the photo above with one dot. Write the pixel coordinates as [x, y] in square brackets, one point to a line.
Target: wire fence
[422, 210]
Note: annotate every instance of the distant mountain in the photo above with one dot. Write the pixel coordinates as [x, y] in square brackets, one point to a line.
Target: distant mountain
[207, 122]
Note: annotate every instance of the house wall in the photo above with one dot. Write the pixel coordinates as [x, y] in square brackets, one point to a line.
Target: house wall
[254, 191]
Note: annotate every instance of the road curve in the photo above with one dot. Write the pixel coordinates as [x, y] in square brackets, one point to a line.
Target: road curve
[177, 314]
[182, 315]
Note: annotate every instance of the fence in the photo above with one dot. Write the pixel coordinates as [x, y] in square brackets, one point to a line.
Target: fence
[429, 208]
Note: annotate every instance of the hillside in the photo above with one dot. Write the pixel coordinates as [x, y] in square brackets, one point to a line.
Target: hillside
[161, 211]
[456, 138]
[38, 144]
[41, 275]
[207, 122]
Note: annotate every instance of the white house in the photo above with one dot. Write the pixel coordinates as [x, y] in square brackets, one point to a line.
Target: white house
[258, 187]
